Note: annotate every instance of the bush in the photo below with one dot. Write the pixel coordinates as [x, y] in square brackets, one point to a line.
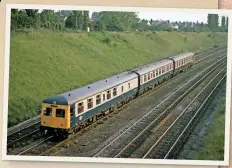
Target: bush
[20, 21]
[107, 40]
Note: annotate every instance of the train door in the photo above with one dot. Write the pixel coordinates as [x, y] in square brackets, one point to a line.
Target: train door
[72, 115]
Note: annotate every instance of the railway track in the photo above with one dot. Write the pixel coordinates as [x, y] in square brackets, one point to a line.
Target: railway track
[30, 133]
[42, 145]
[176, 147]
[123, 144]
[209, 52]
[164, 144]
[22, 134]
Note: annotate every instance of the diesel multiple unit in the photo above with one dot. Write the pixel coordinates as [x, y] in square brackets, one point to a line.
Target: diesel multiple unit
[70, 111]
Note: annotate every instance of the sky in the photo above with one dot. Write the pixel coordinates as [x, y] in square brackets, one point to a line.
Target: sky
[172, 16]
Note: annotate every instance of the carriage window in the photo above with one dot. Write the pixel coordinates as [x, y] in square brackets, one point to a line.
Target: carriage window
[80, 107]
[153, 73]
[104, 97]
[141, 79]
[163, 70]
[71, 112]
[108, 94]
[170, 66]
[160, 71]
[90, 103]
[167, 68]
[148, 76]
[60, 113]
[115, 92]
[145, 78]
[98, 99]
[48, 111]
[157, 73]
[129, 85]
[122, 89]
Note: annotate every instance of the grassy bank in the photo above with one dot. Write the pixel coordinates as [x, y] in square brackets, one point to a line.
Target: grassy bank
[45, 63]
[212, 144]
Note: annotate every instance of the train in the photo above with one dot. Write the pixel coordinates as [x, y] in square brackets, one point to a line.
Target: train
[69, 112]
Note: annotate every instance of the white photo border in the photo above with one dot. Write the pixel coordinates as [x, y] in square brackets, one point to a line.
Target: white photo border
[112, 160]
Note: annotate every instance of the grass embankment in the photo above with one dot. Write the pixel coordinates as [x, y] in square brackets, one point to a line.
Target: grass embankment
[212, 144]
[45, 63]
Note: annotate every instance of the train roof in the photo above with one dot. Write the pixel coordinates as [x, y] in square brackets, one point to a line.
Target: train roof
[181, 56]
[149, 67]
[86, 91]
[78, 94]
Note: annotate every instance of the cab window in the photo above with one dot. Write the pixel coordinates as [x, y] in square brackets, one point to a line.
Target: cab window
[48, 111]
[60, 113]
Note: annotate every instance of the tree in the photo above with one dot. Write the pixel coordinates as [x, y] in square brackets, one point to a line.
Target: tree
[70, 22]
[32, 12]
[213, 22]
[223, 22]
[86, 20]
[75, 25]
[98, 26]
[227, 22]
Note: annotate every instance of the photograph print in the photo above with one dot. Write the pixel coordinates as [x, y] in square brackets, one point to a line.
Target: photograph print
[117, 84]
